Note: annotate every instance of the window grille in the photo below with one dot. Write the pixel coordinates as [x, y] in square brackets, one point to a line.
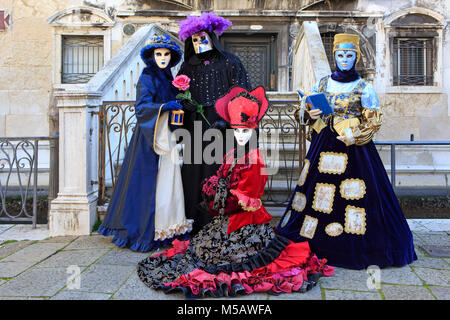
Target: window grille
[82, 58]
[413, 62]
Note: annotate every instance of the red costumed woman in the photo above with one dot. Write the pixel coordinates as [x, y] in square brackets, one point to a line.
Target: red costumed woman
[238, 252]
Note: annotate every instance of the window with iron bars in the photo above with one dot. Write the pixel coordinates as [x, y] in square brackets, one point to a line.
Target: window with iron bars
[412, 61]
[82, 58]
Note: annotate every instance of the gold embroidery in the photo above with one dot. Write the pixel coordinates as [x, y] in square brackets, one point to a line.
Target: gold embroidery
[332, 162]
[371, 123]
[352, 189]
[341, 124]
[304, 173]
[309, 227]
[323, 197]
[243, 205]
[355, 220]
[286, 219]
[318, 125]
[334, 229]
[299, 202]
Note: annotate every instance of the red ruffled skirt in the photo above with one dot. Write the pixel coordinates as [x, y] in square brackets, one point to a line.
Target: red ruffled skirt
[212, 265]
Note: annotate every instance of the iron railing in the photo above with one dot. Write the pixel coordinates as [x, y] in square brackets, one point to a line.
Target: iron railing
[393, 144]
[287, 139]
[117, 122]
[116, 126]
[19, 161]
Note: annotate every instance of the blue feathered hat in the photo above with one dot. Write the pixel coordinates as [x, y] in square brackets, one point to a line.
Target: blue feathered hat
[161, 42]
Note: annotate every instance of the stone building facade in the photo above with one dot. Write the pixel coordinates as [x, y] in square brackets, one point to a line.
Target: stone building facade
[31, 50]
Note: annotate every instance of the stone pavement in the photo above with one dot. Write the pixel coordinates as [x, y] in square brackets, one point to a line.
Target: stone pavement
[33, 266]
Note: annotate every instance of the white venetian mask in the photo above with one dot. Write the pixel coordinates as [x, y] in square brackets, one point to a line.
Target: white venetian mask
[162, 57]
[243, 135]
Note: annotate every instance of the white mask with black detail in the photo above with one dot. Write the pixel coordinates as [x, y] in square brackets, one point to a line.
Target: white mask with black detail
[162, 57]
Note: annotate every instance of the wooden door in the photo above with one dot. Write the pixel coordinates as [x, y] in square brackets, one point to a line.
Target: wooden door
[257, 53]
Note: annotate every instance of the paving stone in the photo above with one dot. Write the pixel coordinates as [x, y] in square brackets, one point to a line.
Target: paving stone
[34, 253]
[434, 276]
[73, 257]
[351, 295]
[420, 252]
[12, 269]
[436, 251]
[347, 279]
[4, 227]
[436, 224]
[435, 238]
[36, 283]
[65, 239]
[436, 263]
[441, 293]
[313, 294]
[399, 292]
[23, 298]
[80, 295]
[399, 275]
[25, 232]
[119, 256]
[103, 278]
[9, 248]
[416, 225]
[91, 242]
[135, 289]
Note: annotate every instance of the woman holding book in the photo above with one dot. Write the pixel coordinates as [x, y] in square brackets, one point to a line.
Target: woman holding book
[344, 204]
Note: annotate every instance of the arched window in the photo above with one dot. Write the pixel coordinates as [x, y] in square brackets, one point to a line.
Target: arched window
[414, 37]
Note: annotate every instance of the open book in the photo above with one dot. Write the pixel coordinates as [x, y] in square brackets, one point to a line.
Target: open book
[318, 101]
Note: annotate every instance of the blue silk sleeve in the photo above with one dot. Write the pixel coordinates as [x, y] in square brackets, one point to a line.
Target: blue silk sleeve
[369, 99]
[146, 109]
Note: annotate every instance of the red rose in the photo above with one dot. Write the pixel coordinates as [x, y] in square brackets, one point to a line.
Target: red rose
[181, 82]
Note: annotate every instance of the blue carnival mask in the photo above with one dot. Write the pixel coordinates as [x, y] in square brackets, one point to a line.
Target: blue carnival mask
[345, 59]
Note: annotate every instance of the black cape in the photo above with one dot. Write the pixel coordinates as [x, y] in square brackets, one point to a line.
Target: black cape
[212, 75]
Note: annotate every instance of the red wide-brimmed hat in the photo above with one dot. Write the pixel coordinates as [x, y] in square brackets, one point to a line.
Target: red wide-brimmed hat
[242, 108]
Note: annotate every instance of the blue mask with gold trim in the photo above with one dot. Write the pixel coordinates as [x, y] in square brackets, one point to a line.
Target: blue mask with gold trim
[345, 58]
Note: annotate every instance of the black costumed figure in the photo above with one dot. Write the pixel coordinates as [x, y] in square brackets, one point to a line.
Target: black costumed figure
[147, 206]
[212, 72]
[344, 204]
[237, 252]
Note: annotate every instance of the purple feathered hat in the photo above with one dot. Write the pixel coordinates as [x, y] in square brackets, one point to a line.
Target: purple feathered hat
[208, 21]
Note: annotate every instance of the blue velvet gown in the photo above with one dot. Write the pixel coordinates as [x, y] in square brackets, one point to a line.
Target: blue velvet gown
[131, 213]
[344, 204]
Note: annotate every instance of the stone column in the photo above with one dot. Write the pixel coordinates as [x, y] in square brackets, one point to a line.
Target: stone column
[310, 62]
[73, 212]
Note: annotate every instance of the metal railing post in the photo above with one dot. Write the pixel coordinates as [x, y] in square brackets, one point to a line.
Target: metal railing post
[35, 179]
[393, 166]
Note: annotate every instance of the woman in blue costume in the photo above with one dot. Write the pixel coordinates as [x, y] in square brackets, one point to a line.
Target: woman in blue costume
[147, 204]
[344, 204]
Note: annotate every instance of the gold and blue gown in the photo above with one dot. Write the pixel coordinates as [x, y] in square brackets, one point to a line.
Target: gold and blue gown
[344, 204]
